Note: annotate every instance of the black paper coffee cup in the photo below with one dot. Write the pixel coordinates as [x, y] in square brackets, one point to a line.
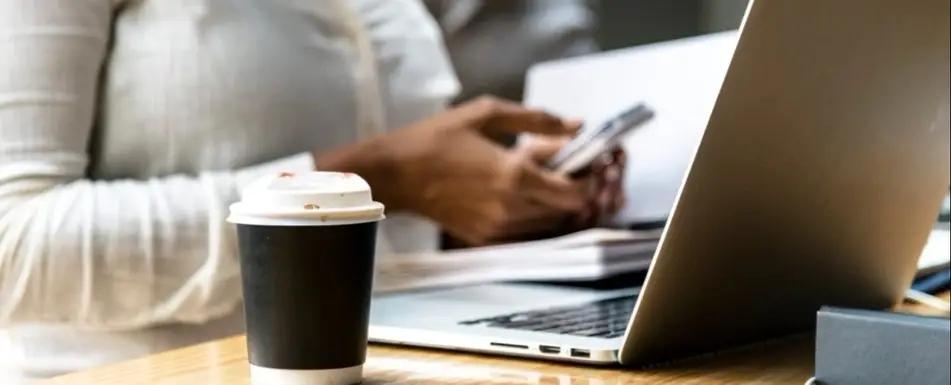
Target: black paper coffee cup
[306, 244]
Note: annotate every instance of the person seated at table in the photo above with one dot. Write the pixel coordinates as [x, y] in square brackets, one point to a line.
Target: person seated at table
[128, 127]
[492, 45]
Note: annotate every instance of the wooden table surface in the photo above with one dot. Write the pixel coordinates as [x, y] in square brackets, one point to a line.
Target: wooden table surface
[224, 362]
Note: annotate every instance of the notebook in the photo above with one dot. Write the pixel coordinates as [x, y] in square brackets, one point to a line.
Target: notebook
[861, 347]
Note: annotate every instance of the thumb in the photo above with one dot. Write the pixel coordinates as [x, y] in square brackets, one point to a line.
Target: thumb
[541, 149]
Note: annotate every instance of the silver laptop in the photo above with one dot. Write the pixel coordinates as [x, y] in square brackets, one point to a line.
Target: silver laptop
[817, 182]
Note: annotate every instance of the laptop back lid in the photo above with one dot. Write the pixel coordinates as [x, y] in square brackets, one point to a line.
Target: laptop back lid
[817, 181]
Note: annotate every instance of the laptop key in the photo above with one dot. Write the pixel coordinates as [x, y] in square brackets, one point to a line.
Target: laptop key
[594, 332]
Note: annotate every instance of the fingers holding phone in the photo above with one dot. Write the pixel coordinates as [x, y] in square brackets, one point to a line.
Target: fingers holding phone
[595, 157]
[601, 181]
[593, 142]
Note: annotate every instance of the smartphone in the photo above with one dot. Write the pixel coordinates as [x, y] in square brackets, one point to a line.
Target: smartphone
[593, 142]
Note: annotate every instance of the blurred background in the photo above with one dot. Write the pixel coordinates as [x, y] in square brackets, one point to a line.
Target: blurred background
[492, 43]
[625, 23]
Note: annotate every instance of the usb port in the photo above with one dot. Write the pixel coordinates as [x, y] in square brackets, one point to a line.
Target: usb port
[549, 349]
[580, 353]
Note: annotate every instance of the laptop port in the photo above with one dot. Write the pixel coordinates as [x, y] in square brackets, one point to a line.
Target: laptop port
[508, 346]
[580, 353]
[549, 349]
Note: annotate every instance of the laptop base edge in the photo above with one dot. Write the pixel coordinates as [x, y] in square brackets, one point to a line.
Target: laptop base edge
[526, 349]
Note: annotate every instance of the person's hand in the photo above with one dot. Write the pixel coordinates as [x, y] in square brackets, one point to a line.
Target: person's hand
[605, 189]
[602, 181]
[447, 169]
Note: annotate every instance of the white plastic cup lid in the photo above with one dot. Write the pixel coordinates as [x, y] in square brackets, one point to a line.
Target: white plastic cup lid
[307, 199]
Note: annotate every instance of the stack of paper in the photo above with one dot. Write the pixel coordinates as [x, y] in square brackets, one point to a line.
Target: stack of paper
[586, 255]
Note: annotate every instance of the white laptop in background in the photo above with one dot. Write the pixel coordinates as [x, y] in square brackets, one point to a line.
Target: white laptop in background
[679, 79]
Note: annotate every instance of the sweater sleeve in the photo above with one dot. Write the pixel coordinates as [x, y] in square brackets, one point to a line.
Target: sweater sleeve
[107, 255]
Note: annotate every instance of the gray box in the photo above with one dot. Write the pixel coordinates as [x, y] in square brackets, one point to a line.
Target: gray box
[860, 347]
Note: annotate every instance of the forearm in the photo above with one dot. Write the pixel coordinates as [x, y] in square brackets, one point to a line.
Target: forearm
[119, 254]
[376, 162]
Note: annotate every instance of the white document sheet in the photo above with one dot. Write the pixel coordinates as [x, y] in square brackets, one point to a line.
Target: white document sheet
[937, 252]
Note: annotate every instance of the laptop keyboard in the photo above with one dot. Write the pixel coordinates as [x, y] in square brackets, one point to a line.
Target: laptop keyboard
[601, 319]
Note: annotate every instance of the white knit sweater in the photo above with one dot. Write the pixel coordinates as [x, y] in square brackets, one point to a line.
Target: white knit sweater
[128, 127]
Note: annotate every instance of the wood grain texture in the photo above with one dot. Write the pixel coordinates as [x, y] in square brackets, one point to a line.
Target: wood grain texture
[224, 362]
